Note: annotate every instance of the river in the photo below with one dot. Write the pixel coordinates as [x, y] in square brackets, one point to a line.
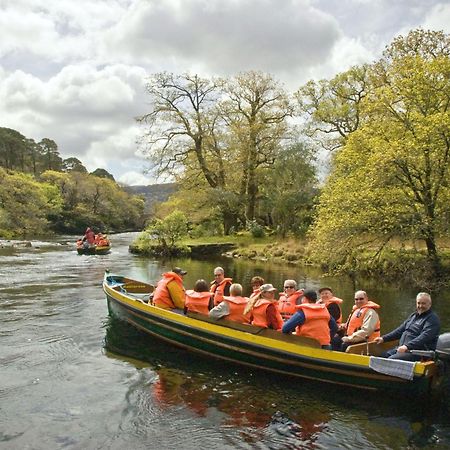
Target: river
[72, 378]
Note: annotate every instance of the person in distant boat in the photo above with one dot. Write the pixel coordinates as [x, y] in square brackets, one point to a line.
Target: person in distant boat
[220, 286]
[170, 292]
[232, 307]
[199, 299]
[256, 282]
[262, 307]
[420, 331]
[289, 300]
[312, 320]
[89, 237]
[332, 303]
[362, 325]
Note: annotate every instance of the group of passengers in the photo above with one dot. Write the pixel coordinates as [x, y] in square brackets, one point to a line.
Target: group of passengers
[90, 238]
[300, 311]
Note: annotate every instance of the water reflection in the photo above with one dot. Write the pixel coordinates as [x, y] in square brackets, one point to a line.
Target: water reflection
[280, 412]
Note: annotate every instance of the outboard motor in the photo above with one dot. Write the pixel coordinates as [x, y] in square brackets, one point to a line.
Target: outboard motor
[443, 347]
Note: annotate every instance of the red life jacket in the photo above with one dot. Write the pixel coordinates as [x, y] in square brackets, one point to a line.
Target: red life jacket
[197, 301]
[90, 237]
[356, 320]
[237, 306]
[162, 297]
[218, 289]
[287, 305]
[316, 325]
[260, 315]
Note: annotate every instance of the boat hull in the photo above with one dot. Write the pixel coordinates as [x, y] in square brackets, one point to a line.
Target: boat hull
[259, 349]
[94, 250]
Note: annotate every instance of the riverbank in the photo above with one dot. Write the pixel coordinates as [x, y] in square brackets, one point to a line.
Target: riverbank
[402, 263]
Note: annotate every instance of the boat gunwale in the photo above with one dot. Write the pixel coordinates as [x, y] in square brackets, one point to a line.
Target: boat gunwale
[345, 361]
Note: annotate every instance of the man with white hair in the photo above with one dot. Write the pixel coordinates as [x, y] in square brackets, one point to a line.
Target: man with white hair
[420, 331]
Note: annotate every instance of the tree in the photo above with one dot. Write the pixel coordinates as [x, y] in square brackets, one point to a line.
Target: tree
[51, 158]
[391, 178]
[73, 164]
[169, 230]
[181, 125]
[102, 173]
[333, 107]
[256, 110]
[289, 190]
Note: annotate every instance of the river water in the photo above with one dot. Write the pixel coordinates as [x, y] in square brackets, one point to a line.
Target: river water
[72, 378]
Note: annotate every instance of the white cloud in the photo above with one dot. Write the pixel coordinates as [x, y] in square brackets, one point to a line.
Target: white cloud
[75, 72]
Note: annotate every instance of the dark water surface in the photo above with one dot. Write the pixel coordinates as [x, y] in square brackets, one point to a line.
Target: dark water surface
[73, 378]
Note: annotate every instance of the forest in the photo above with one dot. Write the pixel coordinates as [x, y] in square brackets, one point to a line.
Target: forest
[42, 193]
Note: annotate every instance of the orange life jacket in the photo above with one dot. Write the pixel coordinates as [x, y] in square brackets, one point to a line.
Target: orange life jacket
[197, 301]
[356, 320]
[218, 289]
[316, 323]
[287, 305]
[162, 297]
[338, 302]
[237, 306]
[260, 316]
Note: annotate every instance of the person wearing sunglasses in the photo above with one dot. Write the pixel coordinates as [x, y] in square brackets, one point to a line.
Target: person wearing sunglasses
[289, 299]
[362, 325]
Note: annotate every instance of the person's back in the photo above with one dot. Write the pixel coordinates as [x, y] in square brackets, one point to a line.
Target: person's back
[232, 306]
[170, 292]
[198, 299]
[316, 325]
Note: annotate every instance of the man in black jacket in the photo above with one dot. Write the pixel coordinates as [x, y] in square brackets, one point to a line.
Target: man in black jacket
[420, 331]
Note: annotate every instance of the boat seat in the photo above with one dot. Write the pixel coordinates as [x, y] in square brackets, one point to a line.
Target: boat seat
[374, 349]
[260, 331]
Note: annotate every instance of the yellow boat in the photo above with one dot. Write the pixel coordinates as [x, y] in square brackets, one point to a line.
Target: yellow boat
[269, 350]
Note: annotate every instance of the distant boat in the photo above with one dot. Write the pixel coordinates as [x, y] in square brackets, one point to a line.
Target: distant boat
[93, 249]
[270, 350]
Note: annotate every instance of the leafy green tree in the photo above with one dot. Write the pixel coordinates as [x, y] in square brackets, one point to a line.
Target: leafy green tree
[256, 109]
[102, 173]
[390, 180]
[25, 204]
[73, 165]
[333, 107]
[169, 230]
[290, 190]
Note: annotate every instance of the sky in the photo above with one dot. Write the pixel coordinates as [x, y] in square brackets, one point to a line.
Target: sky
[75, 72]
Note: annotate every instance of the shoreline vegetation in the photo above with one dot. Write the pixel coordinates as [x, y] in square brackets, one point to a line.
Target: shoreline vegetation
[404, 263]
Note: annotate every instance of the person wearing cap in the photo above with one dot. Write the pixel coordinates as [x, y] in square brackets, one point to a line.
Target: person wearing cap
[262, 307]
[170, 292]
[199, 299]
[332, 303]
[363, 323]
[312, 320]
[232, 307]
[288, 301]
[220, 286]
[89, 237]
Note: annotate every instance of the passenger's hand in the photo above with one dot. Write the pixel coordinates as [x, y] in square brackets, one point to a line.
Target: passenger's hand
[378, 340]
[345, 339]
[402, 349]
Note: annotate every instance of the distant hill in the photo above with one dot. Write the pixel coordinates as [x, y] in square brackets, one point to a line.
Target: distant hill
[153, 193]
